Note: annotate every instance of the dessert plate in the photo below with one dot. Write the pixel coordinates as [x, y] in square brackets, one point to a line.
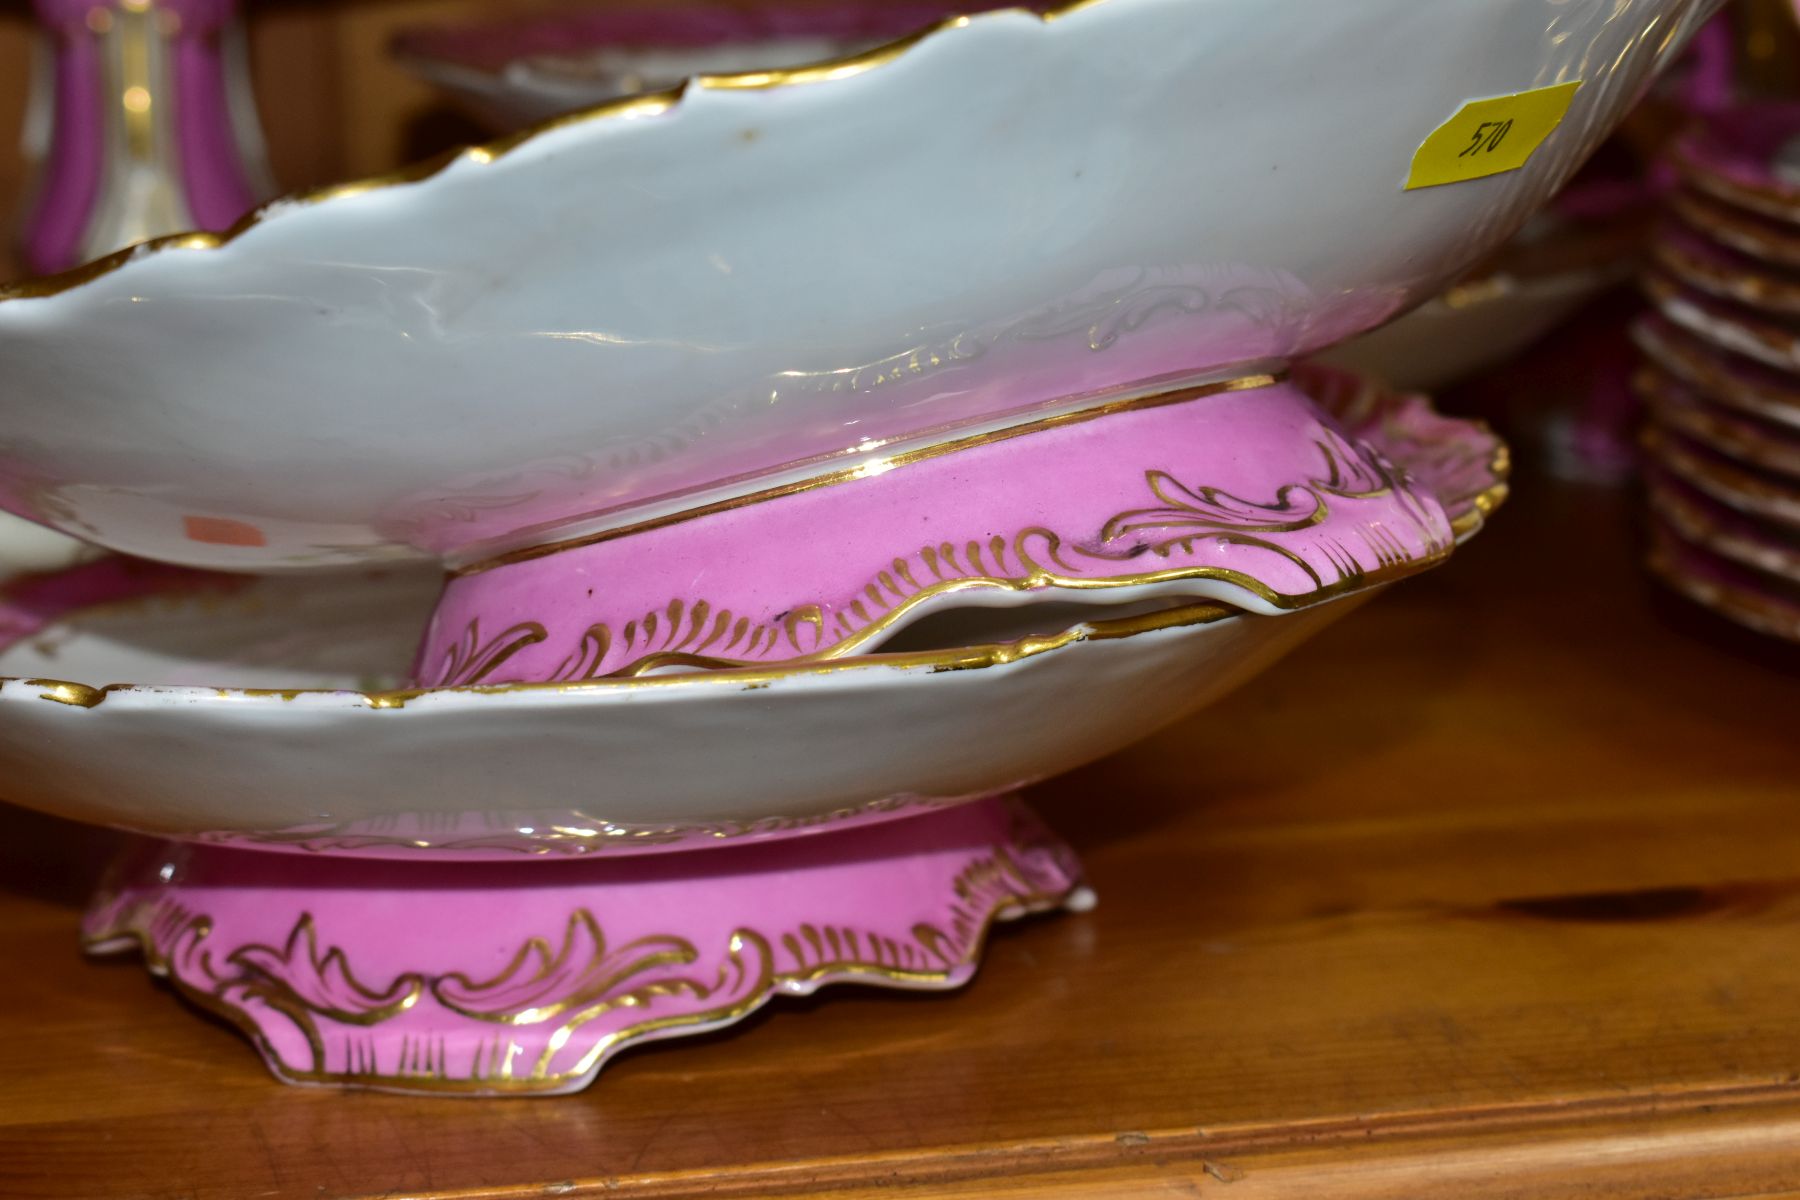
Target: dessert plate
[1725, 273]
[1760, 494]
[1724, 378]
[1537, 281]
[1745, 439]
[1762, 545]
[1747, 156]
[570, 769]
[1724, 324]
[1748, 233]
[666, 762]
[685, 297]
[1748, 597]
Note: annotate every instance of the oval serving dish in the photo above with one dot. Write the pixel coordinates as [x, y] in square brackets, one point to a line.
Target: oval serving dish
[688, 297]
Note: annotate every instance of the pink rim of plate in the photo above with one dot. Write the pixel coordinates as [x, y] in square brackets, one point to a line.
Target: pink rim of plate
[1728, 274]
[1723, 324]
[1750, 598]
[1726, 379]
[1730, 155]
[1754, 443]
[1254, 496]
[1757, 493]
[1701, 521]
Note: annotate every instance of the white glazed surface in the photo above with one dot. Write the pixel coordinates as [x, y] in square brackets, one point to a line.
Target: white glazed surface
[507, 768]
[640, 313]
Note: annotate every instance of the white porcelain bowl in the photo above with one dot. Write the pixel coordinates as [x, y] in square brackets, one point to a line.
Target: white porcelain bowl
[681, 298]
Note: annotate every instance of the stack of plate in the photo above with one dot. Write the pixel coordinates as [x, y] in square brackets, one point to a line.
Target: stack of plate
[1721, 371]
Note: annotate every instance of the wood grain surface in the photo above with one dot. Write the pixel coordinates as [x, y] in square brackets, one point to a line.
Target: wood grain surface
[1493, 890]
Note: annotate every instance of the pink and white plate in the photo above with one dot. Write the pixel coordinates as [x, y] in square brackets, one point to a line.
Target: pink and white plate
[1726, 379]
[1750, 597]
[1696, 519]
[1747, 156]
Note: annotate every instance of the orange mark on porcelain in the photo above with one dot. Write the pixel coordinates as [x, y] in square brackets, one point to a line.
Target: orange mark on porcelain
[222, 531]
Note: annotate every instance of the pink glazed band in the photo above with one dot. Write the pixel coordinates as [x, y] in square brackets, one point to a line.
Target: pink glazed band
[1249, 494]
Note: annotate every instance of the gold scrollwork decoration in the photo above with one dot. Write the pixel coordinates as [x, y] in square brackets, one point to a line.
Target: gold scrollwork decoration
[539, 984]
[323, 983]
[570, 987]
[696, 633]
[470, 660]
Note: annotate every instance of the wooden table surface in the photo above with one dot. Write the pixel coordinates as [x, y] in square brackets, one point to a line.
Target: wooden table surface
[1493, 890]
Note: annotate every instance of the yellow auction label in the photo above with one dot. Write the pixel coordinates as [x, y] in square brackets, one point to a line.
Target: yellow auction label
[1488, 137]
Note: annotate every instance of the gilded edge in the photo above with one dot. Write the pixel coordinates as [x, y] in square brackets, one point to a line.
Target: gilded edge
[1707, 215]
[994, 886]
[1764, 614]
[1474, 510]
[966, 658]
[1770, 200]
[624, 108]
[1698, 312]
[1732, 282]
[894, 593]
[1241, 383]
[1691, 523]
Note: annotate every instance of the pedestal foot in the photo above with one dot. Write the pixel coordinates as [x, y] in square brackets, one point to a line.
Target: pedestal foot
[483, 978]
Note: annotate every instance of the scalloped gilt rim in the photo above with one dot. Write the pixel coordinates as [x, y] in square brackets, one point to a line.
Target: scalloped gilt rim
[965, 658]
[643, 104]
